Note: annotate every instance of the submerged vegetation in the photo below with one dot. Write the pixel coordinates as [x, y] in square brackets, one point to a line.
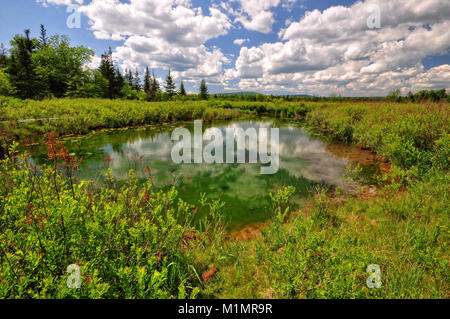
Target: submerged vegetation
[132, 241]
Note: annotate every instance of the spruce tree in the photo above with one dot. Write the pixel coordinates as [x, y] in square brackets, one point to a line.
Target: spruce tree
[43, 39]
[118, 83]
[22, 70]
[203, 94]
[129, 77]
[137, 81]
[154, 88]
[112, 74]
[147, 81]
[182, 89]
[170, 86]
[155, 83]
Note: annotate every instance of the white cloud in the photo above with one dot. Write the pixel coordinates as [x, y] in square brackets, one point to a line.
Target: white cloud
[185, 62]
[94, 63]
[174, 21]
[161, 33]
[256, 15]
[335, 51]
[240, 41]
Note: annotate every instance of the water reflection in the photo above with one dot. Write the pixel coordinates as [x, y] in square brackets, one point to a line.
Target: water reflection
[300, 155]
[304, 162]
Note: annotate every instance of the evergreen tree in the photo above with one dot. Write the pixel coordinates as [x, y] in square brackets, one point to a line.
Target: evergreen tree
[43, 40]
[155, 83]
[147, 81]
[112, 74]
[129, 77]
[22, 70]
[118, 83]
[137, 81]
[170, 86]
[203, 94]
[182, 89]
[154, 89]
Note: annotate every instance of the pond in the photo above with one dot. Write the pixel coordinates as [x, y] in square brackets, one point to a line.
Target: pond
[305, 162]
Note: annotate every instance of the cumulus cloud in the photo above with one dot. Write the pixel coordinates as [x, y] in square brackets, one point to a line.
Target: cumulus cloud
[256, 15]
[174, 21]
[161, 33]
[335, 51]
[240, 41]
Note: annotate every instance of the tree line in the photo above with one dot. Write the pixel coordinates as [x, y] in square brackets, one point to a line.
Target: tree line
[421, 96]
[37, 68]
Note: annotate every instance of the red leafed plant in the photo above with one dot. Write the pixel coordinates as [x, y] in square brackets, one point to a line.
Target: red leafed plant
[62, 159]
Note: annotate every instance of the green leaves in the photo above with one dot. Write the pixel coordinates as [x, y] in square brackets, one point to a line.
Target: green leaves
[127, 245]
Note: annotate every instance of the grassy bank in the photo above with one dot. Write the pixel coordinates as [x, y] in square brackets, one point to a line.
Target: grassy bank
[324, 250]
[80, 116]
[408, 135]
[131, 242]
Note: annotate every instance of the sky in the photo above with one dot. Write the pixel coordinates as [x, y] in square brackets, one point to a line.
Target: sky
[314, 47]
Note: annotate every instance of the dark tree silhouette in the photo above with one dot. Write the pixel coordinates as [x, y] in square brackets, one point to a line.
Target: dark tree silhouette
[170, 86]
[182, 91]
[203, 94]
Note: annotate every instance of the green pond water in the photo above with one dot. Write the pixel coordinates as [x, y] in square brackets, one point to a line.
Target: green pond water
[304, 163]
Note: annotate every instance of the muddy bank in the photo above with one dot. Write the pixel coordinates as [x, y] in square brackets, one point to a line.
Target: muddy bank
[248, 232]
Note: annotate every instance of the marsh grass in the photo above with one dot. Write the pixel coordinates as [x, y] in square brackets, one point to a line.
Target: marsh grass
[310, 257]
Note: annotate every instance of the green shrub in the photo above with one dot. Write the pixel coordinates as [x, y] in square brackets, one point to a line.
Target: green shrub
[129, 242]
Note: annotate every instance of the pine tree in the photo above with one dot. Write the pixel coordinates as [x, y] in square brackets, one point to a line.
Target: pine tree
[170, 86]
[43, 39]
[182, 91]
[155, 83]
[137, 81]
[129, 78]
[147, 81]
[203, 94]
[22, 71]
[154, 89]
[118, 83]
[112, 74]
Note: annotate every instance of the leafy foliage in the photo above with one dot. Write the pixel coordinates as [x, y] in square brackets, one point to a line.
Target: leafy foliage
[128, 241]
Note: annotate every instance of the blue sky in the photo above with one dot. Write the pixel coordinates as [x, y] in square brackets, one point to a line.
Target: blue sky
[290, 47]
